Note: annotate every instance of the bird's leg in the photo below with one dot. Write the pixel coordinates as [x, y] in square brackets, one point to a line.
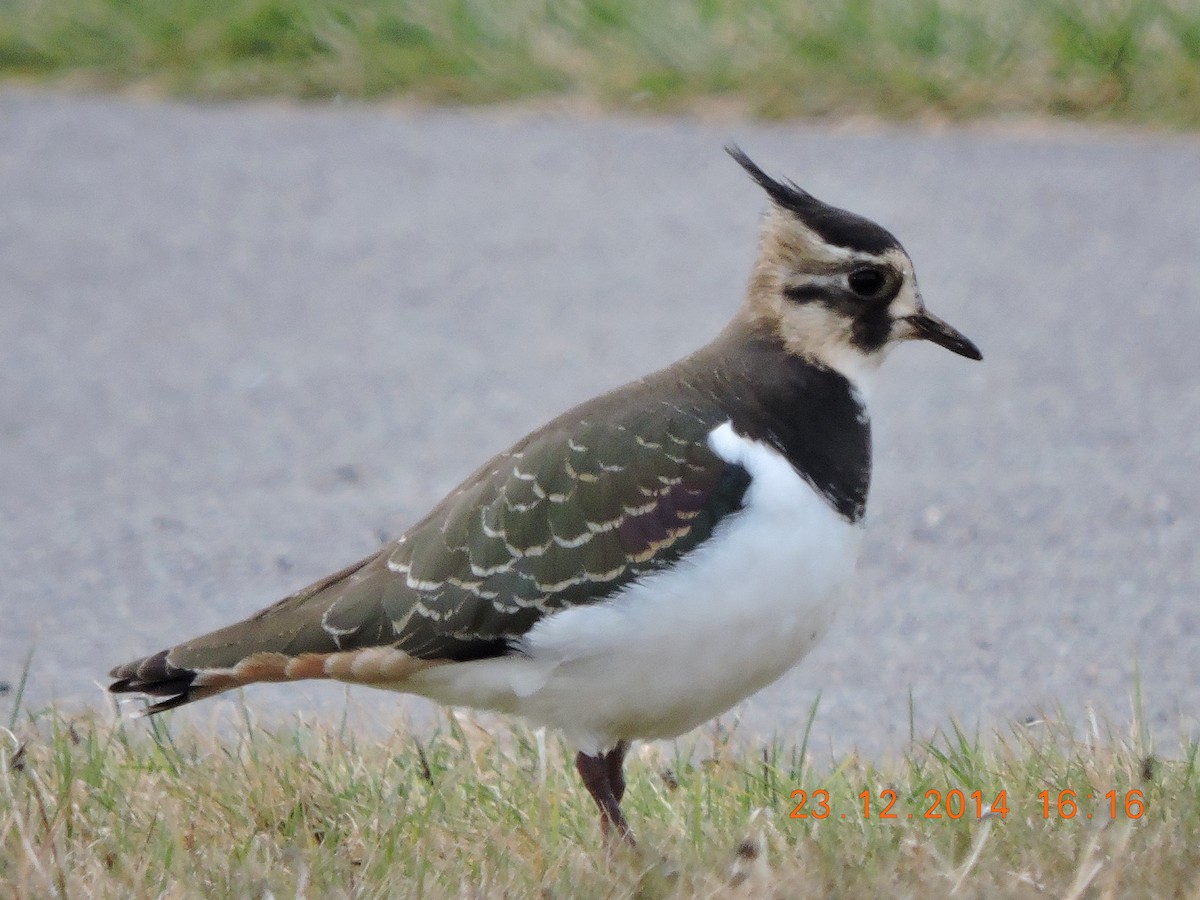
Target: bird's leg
[597, 778]
[614, 760]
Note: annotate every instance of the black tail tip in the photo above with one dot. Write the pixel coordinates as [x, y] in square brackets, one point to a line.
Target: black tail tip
[154, 676]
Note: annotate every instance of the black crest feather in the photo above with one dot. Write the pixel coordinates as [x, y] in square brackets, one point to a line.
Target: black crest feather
[786, 193]
[835, 226]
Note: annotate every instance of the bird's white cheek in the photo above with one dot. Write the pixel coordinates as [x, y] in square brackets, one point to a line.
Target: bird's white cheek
[907, 303]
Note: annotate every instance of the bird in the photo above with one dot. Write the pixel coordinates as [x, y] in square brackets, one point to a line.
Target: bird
[644, 561]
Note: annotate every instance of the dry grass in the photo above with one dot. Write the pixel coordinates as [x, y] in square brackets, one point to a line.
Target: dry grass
[90, 808]
[1127, 60]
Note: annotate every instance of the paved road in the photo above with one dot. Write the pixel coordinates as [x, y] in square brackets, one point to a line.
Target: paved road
[242, 343]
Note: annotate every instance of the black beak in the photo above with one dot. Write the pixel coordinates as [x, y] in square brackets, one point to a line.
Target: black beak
[929, 327]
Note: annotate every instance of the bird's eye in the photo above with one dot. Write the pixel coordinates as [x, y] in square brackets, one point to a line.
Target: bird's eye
[867, 281]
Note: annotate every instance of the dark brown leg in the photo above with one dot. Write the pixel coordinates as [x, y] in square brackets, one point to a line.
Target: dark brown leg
[614, 760]
[596, 772]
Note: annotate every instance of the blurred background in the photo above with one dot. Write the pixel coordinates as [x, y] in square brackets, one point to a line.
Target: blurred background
[1100, 60]
[274, 276]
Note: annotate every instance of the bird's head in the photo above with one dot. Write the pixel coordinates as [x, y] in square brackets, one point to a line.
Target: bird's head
[836, 287]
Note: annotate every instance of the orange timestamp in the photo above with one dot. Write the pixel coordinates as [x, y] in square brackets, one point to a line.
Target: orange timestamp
[956, 803]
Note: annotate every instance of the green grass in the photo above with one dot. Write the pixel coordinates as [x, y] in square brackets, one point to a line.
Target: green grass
[1119, 60]
[134, 809]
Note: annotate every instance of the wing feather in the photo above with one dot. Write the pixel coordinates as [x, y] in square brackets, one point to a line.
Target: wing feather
[582, 511]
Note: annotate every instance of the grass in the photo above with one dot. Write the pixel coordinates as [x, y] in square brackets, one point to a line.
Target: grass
[119, 809]
[1115, 60]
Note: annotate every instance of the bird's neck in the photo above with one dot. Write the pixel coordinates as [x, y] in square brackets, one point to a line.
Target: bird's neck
[810, 412]
[752, 346]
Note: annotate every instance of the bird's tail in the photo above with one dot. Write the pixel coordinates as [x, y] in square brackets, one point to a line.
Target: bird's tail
[301, 636]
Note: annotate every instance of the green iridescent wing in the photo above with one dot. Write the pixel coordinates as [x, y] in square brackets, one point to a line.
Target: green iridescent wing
[571, 515]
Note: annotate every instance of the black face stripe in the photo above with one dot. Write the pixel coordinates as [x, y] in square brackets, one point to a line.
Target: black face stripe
[807, 293]
[841, 298]
[871, 330]
[870, 319]
[834, 226]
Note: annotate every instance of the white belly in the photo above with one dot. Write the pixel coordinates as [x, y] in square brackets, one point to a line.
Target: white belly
[680, 646]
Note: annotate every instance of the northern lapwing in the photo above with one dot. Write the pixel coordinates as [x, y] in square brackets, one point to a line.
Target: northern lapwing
[644, 561]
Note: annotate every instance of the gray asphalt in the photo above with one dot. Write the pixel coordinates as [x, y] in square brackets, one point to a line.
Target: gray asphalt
[242, 344]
